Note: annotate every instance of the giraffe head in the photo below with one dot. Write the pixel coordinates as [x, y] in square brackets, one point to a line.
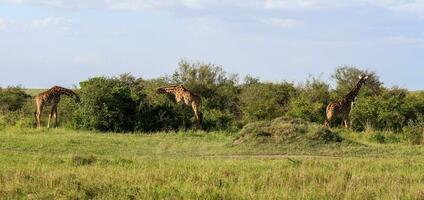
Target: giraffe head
[77, 99]
[363, 77]
[73, 95]
[162, 90]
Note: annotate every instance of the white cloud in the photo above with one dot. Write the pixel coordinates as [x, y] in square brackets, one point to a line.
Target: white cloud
[403, 40]
[192, 3]
[134, 5]
[7, 24]
[303, 4]
[44, 23]
[208, 25]
[280, 22]
[3, 23]
[50, 22]
[403, 6]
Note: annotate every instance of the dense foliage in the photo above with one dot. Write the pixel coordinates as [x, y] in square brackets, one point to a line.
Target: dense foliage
[127, 104]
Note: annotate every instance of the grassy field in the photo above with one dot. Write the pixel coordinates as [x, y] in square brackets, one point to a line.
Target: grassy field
[64, 164]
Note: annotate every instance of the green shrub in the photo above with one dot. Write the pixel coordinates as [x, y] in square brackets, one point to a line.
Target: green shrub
[378, 137]
[265, 101]
[12, 99]
[160, 112]
[414, 133]
[311, 102]
[2, 123]
[218, 90]
[108, 104]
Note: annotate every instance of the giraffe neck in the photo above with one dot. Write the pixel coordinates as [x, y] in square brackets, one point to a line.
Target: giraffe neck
[174, 89]
[69, 93]
[170, 90]
[66, 92]
[350, 97]
[57, 91]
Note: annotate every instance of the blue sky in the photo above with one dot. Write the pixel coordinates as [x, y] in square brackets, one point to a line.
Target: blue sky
[62, 42]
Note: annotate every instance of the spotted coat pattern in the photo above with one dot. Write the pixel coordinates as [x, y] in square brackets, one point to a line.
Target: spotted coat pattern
[184, 97]
[51, 97]
[341, 108]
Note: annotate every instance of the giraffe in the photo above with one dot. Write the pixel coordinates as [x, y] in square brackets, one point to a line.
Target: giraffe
[184, 97]
[341, 108]
[51, 97]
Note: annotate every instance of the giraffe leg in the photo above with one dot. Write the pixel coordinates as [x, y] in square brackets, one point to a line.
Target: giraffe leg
[328, 117]
[345, 121]
[184, 116]
[348, 123]
[51, 115]
[48, 122]
[38, 119]
[327, 123]
[38, 115]
[55, 116]
[196, 114]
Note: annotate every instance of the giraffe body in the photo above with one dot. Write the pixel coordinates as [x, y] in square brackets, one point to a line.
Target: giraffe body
[341, 108]
[51, 97]
[184, 97]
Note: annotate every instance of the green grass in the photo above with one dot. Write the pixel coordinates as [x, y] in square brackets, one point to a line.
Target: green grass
[64, 164]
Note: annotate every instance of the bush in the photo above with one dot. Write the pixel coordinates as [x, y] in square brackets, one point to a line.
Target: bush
[414, 133]
[12, 99]
[265, 101]
[387, 111]
[379, 138]
[311, 102]
[218, 90]
[158, 111]
[125, 103]
[108, 104]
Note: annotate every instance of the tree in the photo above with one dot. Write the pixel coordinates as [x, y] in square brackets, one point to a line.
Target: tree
[346, 77]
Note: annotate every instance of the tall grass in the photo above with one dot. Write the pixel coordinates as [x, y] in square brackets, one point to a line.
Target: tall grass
[63, 164]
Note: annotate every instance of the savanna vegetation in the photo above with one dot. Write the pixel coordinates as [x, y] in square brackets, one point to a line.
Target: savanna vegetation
[260, 140]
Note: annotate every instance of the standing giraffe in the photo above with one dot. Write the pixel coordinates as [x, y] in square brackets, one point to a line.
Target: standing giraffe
[51, 97]
[185, 97]
[341, 108]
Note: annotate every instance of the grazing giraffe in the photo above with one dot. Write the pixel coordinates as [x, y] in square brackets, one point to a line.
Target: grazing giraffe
[51, 97]
[341, 108]
[184, 97]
